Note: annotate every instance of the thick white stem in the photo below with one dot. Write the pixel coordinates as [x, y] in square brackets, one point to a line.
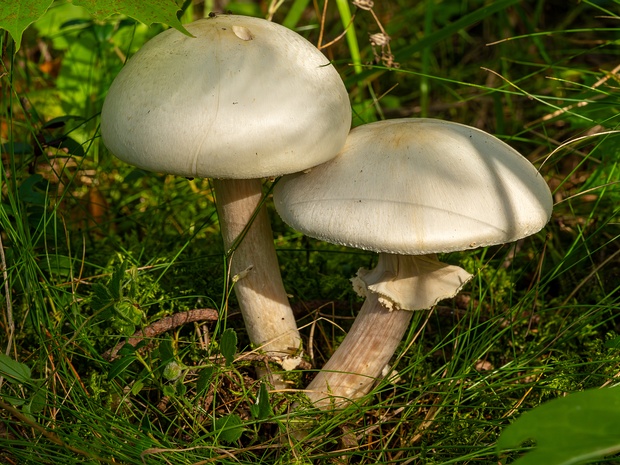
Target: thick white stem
[400, 283]
[260, 293]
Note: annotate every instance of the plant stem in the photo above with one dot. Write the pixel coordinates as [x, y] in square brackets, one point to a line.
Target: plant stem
[347, 22]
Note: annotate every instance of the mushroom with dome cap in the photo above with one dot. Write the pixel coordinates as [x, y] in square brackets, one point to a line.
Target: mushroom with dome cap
[242, 99]
[408, 189]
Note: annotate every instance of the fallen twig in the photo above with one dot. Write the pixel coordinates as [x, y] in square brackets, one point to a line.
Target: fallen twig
[163, 325]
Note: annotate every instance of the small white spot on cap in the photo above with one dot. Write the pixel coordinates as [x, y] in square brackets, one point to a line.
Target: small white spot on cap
[242, 32]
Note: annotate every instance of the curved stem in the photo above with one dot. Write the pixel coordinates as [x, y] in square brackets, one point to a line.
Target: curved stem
[262, 299]
[401, 283]
[358, 362]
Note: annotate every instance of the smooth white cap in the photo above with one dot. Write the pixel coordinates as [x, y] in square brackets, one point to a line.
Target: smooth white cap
[416, 187]
[245, 98]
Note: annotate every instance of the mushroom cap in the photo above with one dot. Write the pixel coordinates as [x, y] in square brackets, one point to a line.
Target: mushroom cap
[415, 187]
[244, 98]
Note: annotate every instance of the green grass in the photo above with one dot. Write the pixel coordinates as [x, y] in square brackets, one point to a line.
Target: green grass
[95, 250]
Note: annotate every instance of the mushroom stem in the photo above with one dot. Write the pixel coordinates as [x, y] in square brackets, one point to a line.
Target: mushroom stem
[400, 283]
[254, 268]
[359, 360]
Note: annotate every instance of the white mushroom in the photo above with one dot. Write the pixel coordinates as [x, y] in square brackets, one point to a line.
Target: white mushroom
[408, 189]
[241, 100]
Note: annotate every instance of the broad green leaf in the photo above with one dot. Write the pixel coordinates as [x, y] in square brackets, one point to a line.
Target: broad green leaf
[613, 343]
[128, 313]
[228, 345]
[153, 11]
[568, 430]
[230, 428]
[261, 408]
[181, 388]
[17, 15]
[37, 401]
[14, 401]
[102, 297]
[166, 351]
[137, 387]
[30, 190]
[122, 327]
[71, 146]
[14, 371]
[61, 121]
[169, 391]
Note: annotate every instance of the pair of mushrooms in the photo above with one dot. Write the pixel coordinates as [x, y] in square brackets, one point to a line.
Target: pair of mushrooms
[246, 99]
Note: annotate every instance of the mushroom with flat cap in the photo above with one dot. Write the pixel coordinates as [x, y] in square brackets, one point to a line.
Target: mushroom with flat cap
[408, 189]
[241, 100]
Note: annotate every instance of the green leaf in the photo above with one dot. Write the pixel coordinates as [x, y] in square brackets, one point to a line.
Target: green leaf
[128, 313]
[153, 11]
[204, 381]
[261, 408]
[228, 345]
[568, 430]
[61, 121]
[30, 190]
[14, 371]
[128, 349]
[230, 428]
[166, 351]
[14, 401]
[122, 327]
[17, 15]
[37, 401]
[181, 388]
[135, 175]
[72, 146]
[137, 387]
[116, 282]
[613, 343]
[102, 297]
[169, 391]
[119, 366]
